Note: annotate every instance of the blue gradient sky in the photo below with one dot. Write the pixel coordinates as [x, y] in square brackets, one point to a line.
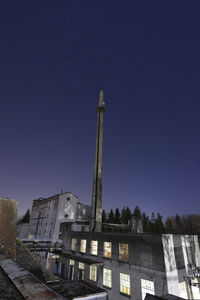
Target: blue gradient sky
[54, 58]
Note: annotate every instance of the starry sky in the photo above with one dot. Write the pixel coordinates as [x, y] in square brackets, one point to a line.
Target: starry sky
[55, 56]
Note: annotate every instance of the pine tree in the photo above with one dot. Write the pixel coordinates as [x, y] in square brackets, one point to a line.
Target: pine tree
[159, 226]
[111, 217]
[117, 216]
[152, 223]
[123, 215]
[128, 214]
[103, 216]
[137, 213]
[25, 218]
[178, 224]
[145, 223]
[169, 226]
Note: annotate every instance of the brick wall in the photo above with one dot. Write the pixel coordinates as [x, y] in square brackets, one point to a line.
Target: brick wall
[8, 226]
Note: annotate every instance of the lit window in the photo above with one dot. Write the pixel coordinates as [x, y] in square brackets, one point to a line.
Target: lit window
[83, 246]
[74, 244]
[72, 262]
[93, 273]
[183, 290]
[123, 252]
[107, 249]
[147, 286]
[107, 278]
[125, 286]
[94, 247]
[81, 273]
[81, 266]
[71, 269]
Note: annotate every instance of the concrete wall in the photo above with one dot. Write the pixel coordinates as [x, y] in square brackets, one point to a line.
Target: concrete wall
[8, 226]
[23, 230]
[43, 218]
[66, 212]
[7, 288]
[146, 261]
[83, 212]
[47, 215]
[162, 259]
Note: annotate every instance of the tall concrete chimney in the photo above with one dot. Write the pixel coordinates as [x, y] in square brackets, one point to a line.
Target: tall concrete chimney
[96, 209]
[8, 226]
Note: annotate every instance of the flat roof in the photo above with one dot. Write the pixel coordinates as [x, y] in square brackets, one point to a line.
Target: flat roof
[29, 286]
[79, 288]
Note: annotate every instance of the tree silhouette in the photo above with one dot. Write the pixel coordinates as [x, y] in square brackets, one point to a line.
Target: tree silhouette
[111, 217]
[159, 226]
[104, 216]
[137, 213]
[169, 226]
[145, 223]
[178, 224]
[117, 216]
[25, 218]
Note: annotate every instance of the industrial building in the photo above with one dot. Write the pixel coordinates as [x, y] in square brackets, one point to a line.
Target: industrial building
[48, 213]
[124, 264]
[130, 264]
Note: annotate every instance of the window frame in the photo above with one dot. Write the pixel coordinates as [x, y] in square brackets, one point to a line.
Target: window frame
[94, 250]
[146, 286]
[93, 272]
[109, 280]
[107, 247]
[123, 256]
[74, 244]
[123, 286]
[83, 246]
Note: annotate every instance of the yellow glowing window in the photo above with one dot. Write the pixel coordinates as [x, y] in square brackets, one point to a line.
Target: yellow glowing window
[94, 247]
[107, 249]
[125, 286]
[123, 252]
[81, 272]
[72, 262]
[93, 273]
[81, 266]
[83, 246]
[74, 244]
[107, 278]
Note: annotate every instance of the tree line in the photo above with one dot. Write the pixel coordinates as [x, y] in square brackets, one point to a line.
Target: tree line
[185, 224]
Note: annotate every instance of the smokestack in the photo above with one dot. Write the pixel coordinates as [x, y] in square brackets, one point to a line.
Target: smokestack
[96, 209]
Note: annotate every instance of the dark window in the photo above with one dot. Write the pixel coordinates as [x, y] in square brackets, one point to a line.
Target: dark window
[68, 198]
[179, 257]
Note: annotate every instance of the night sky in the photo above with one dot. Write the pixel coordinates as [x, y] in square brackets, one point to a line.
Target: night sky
[55, 56]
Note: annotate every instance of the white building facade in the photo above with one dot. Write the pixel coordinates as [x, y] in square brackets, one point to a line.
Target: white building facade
[48, 213]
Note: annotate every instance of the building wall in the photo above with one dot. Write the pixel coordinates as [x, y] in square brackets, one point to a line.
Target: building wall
[157, 259]
[47, 215]
[145, 261]
[23, 230]
[66, 212]
[43, 218]
[8, 226]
